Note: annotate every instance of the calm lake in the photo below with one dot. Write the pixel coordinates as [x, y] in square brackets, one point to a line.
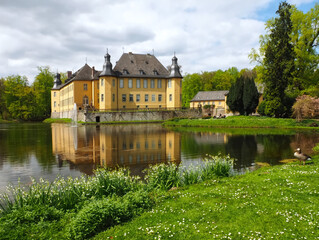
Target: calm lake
[48, 150]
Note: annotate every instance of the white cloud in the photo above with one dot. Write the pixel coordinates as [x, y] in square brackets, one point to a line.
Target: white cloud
[206, 35]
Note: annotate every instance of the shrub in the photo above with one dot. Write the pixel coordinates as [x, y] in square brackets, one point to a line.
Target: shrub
[106, 212]
[306, 107]
[162, 176]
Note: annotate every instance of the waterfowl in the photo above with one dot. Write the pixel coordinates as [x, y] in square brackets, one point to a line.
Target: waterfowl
[301, 156]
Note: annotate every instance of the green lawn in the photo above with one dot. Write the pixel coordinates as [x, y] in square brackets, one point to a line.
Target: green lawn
[279, 202]
[243, 121]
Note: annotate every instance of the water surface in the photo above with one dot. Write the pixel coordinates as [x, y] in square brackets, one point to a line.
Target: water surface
[48, 150]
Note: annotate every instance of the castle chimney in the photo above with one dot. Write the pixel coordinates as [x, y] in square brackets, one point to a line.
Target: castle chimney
[69, 74]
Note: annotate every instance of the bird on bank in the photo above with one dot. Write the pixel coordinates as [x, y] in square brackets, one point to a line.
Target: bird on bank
[301, 156]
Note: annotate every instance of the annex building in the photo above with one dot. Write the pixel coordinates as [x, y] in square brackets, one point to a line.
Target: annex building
[138, 81]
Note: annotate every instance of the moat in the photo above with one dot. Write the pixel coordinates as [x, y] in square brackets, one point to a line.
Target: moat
[49, 150]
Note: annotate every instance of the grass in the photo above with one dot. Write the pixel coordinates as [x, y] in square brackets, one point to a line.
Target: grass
[279, 202]
[82, 207]
[58, 120]
[244, 122]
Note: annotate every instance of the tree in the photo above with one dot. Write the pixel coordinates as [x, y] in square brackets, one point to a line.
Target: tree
[306, 107]
[278, 63]
[3, 109]
[243, 96]
[235, 96]
[42, 89]
[19, 98]
[304, 37]
[250, 96]
[191, 85]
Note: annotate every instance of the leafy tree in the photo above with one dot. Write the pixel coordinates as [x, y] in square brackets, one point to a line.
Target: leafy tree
[2, 101]
[42, 89]
[278, 63]
[304, 37]
[19, 98]
[191, 85]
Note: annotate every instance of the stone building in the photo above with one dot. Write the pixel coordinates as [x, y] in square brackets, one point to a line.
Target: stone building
[138, 81]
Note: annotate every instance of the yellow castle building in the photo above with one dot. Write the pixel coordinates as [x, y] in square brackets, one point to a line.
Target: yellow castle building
[138, 81]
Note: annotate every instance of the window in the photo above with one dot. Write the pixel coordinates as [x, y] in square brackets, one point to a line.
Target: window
[220, 103]
[85, 100]
[138, 97]
[169, 83]
[121, 83]
[159, 97]
[85, 86]
[146, 97]
[170, 97]
[102, 82]
[159, 83]
[102, 97]
[153, 98]
[152, 83]
[113, 97]
[54, 103]
[130, 83]
[123, 97]
[131, 98]
[138, 83]
[145, 83]
[54, 94]
[113, 82]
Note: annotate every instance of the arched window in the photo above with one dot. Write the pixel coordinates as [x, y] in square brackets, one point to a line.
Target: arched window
[85, 100]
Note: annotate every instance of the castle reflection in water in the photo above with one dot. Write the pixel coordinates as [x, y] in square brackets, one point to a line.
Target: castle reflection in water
[133, 146]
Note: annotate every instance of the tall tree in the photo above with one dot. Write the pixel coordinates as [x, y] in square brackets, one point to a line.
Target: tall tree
[278, 63]
[250, 96]
[19, 98]
[191, 85]
[2, 100]
[42, 87]
[235, 96]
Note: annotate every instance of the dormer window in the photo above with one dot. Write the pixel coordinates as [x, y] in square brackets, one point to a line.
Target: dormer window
[142, 72]
[155, 72]
[125, 71]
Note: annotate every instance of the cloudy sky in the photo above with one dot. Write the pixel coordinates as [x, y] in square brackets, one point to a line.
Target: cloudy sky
[65, 34]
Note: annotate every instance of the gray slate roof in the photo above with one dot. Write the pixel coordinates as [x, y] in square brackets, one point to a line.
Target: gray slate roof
[134, 63]
[209, 96]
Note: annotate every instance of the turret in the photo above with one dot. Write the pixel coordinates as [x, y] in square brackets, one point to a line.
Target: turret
[107, 67]
[57, 82]
[174, 71]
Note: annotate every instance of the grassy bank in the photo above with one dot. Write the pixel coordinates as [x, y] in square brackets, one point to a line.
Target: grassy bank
[82, 207]
[244, 122]
[58, 120]
[279, 202]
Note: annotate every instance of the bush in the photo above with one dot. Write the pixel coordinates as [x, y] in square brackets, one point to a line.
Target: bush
[306, 107]
[104, 213]
[162, 176]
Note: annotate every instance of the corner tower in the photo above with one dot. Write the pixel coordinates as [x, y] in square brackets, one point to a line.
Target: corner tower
[107, 86]
[174, 86]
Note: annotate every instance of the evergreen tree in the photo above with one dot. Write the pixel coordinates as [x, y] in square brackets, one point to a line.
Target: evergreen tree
[235, 96]
[243, 96]
[278, 63]
[250, 96]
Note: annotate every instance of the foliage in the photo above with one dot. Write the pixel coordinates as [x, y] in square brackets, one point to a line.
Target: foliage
[104, 213]
[208, 81]
[301, 75]
[19, 98]
[243, 96]
[42, 90]
[306, 107]
[278, 63]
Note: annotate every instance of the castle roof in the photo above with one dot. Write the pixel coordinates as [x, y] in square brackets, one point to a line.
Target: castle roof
[139, 65]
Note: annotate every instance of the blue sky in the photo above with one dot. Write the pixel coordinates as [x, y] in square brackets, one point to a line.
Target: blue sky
[206, 35]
